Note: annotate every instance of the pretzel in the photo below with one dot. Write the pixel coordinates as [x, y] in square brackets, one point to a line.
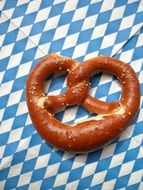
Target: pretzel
[95, 132]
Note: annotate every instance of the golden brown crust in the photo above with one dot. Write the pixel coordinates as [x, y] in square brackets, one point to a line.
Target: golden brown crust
[91, 134]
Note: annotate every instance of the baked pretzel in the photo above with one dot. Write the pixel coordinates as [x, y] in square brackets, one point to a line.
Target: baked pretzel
[92, 133]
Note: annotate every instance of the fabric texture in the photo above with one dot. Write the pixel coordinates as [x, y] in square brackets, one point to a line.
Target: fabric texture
[29, 30]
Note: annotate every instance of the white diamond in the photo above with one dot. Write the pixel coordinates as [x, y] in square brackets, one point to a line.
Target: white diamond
[26, 30]
[80, 50]
[42, 14]
[126, 168]
[6, 51]
[89, 22]
[51, 23]
[110, 184]
[80, 13]
[72, 185]
[6, 125]
[6, 88]
[117, 160]
[32, 152]
[24, 179]
[20, 35]
[135, 177]
[6, 162]
[135, 29]
[69, 114]
[127, 56]
[35, 185]
[108, 151]
[16, 21]
[89, 169]
[115, 87]
[61, 32]
[14, 98]
[39, 53]
[30, 44]
[23, 69]
[42, 161]
[79, 161]
[15, 60]
[61, 179]
[108, 40]
[135, 141]
[105, 78]
[15, 170]
[127, 133]
[52, 170]
[137, 65]
[117, 48]
[33, 6]
[3, 18]
[45, 48]
[11, 27]
[106, 7]
[98, 178]
[33, 41]
[28, 121]
[127, 22]
[70, 41]
[117, 13]
[67, 155]
[22, 108]
[70, 6]
[23, 144]
[99, 31]
[15, 135]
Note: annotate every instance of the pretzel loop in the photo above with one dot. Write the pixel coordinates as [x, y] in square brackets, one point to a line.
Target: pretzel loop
[92, 133]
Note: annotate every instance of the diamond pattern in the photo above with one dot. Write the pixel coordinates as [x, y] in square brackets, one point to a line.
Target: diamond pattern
[81, 30]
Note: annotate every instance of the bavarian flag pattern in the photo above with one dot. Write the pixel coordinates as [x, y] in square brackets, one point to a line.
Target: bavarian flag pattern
[80, 29]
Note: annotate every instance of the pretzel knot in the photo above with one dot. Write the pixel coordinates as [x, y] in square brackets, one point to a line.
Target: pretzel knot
[92, 133]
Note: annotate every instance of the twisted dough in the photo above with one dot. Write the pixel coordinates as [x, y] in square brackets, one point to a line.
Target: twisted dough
[92, 133]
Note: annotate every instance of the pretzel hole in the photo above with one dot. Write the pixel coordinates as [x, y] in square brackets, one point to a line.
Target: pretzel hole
[55, 84]
[105, 86]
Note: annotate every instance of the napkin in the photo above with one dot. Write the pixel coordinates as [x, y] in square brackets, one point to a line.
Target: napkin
[29, 30]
